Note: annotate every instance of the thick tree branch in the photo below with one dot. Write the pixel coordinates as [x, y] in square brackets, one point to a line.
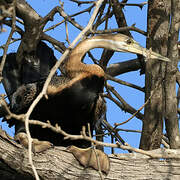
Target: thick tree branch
[124, 67]
[58, 163]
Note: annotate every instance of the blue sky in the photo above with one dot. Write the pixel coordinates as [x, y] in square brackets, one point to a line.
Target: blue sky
[132, 96]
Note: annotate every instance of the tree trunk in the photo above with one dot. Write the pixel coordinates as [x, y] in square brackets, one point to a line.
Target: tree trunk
[157, 38]
[171, 119]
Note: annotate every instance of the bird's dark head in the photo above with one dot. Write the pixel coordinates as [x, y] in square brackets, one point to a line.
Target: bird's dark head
[37, 64]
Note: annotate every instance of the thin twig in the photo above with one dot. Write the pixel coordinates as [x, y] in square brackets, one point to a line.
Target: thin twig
[73, 15]
[119, 124]
[12, 41]
[83, 2]
[141, 5]
[125, 106]
[121, 29]
[67, 34]
[124, 83]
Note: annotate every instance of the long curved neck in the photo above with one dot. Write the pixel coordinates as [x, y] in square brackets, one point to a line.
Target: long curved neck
[74, 64]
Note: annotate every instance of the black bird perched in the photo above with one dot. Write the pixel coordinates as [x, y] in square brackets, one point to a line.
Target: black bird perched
[71, 109]
[35, 67]
[18, 78]
[73, 99]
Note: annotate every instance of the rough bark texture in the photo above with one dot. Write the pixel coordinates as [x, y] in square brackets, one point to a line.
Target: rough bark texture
[57, 163]
[157, 38]
[171, 119]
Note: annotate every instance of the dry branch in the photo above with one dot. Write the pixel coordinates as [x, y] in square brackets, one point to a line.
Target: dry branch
[9, 38]
[58, 163]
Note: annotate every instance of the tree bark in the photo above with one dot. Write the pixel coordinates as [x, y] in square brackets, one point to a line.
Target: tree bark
[58, 163]
[171, 118]
[157, 38]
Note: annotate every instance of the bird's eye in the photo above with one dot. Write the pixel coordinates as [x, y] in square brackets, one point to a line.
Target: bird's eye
[129, 41]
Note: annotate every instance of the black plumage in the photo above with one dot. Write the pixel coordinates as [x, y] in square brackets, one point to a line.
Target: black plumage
[71, 108]
[34, 67]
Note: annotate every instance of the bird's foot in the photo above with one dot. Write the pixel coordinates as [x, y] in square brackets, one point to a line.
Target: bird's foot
[37, 146]
[91, 157]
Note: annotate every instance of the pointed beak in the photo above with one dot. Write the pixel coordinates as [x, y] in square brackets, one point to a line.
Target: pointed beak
[147, 53]
[132, 46]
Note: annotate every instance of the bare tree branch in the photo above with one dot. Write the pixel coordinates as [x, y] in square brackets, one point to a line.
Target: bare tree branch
[9, 38]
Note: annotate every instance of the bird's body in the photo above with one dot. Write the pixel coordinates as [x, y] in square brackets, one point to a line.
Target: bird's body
[74, 99]
[72, 108]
